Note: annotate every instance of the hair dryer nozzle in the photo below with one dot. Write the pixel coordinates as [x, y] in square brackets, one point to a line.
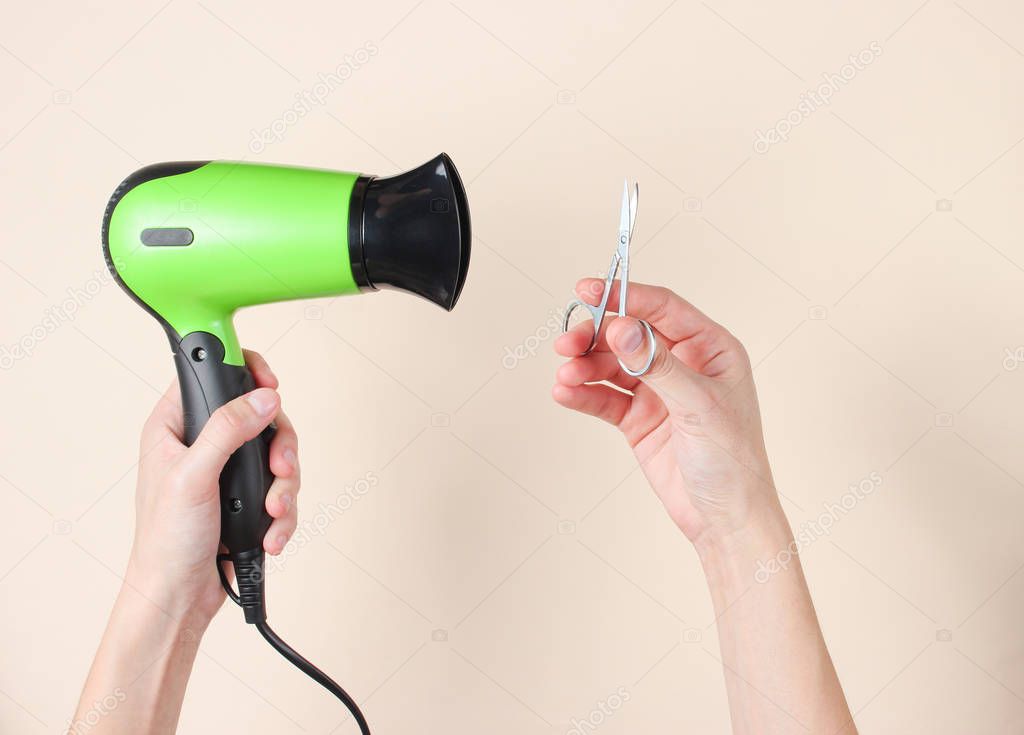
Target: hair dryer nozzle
[411, 232]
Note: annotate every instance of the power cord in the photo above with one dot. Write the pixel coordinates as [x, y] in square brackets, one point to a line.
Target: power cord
[251, 598]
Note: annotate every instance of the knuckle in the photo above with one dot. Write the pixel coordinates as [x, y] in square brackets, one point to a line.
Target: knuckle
[741, 350]
[715, 337]
[220, 444]
[290, 486]
[663, 298]
[733, 343]
[286, 436]
[227, 428]
[661, 366]
[231, 417]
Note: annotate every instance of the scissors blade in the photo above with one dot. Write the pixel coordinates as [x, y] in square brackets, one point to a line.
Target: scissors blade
[625, 223]
[627, 214]
[627, 218]
[632, 208]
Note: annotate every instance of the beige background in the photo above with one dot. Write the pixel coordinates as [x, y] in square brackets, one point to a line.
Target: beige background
[509, 570]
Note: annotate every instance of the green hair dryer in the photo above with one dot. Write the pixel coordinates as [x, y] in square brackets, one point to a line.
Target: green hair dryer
[192, 242]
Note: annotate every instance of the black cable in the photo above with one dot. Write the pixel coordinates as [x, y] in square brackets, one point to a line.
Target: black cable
[314, 673]
[221, 558]
[250, 597]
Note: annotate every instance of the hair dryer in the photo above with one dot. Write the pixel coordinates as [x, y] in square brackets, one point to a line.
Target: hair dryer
[192, 242]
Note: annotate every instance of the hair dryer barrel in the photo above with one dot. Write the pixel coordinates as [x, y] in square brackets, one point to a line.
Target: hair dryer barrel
[195, 241]
[411, 232]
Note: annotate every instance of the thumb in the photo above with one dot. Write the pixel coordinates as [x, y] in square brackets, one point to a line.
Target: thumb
[677, 385]
[231, 426]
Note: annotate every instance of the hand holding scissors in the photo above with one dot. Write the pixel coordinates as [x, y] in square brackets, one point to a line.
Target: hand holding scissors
[627, 219]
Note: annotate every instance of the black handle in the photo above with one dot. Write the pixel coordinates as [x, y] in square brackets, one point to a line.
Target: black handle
[207, 383]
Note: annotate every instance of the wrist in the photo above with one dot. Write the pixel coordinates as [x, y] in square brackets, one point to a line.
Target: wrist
[750, 552]
[169, 628]
[144, 661]
[167, 599]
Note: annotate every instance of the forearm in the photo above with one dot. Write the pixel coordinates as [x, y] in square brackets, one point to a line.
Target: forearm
[779, 676]
[138, 678]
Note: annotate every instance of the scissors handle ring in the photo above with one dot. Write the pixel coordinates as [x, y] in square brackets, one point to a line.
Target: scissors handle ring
[653, 348]
[596, 313]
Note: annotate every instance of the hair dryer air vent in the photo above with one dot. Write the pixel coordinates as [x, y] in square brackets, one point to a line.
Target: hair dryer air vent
[411, 232]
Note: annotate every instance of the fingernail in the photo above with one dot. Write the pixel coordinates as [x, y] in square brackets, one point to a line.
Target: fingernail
[282, 542]
[286, 501]
[630, 339]
[289, 457]
[262, 401]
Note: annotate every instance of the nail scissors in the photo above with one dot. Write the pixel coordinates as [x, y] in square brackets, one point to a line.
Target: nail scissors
[627, 218]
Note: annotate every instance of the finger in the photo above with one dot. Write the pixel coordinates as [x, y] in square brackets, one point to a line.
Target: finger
[676, 384]
[166, 418]
[260, 370]
[595, 367]
[284, 448]
[574, 342]
[230, 427]
[662, 308]
[601, 401]
[282, 496]
[281, 529]
[576, 346]
[578, 339]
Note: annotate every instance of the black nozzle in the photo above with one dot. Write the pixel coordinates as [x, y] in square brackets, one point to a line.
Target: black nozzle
[411, 232]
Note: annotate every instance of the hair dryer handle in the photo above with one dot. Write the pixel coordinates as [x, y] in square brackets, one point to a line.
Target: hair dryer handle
[207, 383]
